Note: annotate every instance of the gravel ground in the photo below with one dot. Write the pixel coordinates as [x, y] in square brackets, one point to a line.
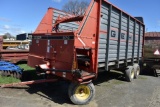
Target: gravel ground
[110, 92]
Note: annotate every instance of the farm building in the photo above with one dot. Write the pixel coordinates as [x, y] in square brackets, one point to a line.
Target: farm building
[152, 43]
[152, 38]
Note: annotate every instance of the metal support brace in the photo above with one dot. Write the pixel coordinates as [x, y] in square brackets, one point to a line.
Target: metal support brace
[139, 37]
[134, 34]
[29, 82]
[127, 42]
[108, 37]
[119, 38]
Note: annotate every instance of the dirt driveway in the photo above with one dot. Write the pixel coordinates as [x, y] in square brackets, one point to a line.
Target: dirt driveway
[110, 92]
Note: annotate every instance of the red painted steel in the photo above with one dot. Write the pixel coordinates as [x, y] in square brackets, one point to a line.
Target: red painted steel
[65, 54]
[13, 56]
[60, 49]
[88, 37]
[45, 25]
[28, 82]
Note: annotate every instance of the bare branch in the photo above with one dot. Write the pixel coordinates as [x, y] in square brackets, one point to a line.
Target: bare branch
[76, 7]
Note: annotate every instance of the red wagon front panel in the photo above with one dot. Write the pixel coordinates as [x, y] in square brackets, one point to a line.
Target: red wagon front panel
[58, 50]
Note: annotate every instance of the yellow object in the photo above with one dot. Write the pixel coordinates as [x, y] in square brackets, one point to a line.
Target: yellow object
[82, 92]
[132, 73]
[13, 43]
[74, 66]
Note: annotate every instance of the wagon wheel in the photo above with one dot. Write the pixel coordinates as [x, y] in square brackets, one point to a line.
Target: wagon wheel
[81, 94]
[129, 73]
[136, 70]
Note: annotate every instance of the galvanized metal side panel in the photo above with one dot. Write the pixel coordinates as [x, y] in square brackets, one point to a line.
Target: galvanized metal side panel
[104, 17]
[70, 26]
[121, 36]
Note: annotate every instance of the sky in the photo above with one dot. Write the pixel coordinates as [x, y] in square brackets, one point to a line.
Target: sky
[23, 16]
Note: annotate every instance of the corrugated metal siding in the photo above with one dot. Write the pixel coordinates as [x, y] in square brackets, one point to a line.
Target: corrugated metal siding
[103, 36]
[70, 26]
[116, 48]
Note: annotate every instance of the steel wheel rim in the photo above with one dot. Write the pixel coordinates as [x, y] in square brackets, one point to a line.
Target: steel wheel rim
[138, 71]
[82, 92]
[132, 73]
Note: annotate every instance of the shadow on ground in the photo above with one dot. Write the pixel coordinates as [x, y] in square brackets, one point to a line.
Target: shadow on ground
[109, 75]
[29, 75]
[58, 91]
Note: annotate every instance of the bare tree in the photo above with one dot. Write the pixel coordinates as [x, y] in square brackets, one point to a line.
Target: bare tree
[76, 7]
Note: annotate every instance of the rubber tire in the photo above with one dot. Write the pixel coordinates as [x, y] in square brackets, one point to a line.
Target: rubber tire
[71, 93]
[136, 67]
[155, 72]
[129, 70]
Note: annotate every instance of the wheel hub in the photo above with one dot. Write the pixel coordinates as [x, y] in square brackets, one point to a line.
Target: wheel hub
[82, 92]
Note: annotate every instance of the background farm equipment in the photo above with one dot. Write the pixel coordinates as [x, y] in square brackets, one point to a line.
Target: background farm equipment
[151, 57]
[14, 51]
[9, 69]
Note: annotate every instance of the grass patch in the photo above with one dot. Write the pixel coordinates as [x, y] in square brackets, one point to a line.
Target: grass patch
[28, 71]
[7, 80]
[25, 67]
